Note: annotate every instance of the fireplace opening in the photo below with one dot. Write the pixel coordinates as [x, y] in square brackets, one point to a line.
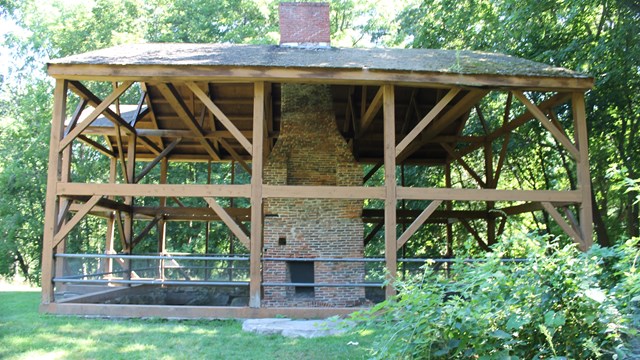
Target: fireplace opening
[302, 272]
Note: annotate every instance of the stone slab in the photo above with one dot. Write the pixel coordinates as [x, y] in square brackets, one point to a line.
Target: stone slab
[297, 328]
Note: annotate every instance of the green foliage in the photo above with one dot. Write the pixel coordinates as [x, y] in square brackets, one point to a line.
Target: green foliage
[559, 304]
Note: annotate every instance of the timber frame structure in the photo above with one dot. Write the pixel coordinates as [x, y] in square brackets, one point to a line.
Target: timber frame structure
[207, 102]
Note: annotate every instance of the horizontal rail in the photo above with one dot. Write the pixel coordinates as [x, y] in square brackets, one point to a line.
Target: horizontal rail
[153, 257]
[408, 260]
[377, 284]
[153, 282]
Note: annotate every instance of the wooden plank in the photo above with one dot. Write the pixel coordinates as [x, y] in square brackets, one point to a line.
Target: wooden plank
[431, 115]
[557, 133]
[584, 179]
[228, 220]
[390, 203]
[311, 75]
[370, 113]
[562, 223]
[255, 270]
[422, 193]
[220, 116]
[415, 225]
[153, 190]
[51, 200]
[175, 100]
[97, 111]
[154, 162]
[323, 192]
[66, 228]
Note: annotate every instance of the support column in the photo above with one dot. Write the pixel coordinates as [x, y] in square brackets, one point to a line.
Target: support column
[448, 207]
[489, 181]
[390, 245]
[255, 272]
[52, 201]
[128, 200]
[108, 247]
[584, 179]
[162, 224]
[65, 177]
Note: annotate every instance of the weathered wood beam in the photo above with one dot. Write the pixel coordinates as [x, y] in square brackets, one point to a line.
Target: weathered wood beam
[424, 215]
[373, 232]
[175, 100]
[235, 155]
[557, 133]
[96, 145]
[465, 165]
[136, 240]
[370, 113]
[431, 115]
[257, 216]
[220, 116]
[121, 153]
[157, 159]
[390, 204]
[97, 111]
[67, 227]
[152, 116]
[153, 190]
[76, 115]
[418, 193]
[584, 180]
[475, 235]
[228, 220]
[372, 172]
[551, 210]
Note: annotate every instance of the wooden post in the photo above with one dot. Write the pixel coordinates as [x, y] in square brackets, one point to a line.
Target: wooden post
[162, 224]
[584, 179]
[255, 273]
[390, 245]
[448, 207]
[52, 202]
[489, 181]
[65, 177]
[128, 218]
[108, 248]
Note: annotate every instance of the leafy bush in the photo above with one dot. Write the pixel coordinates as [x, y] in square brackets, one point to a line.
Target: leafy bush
[559, 304]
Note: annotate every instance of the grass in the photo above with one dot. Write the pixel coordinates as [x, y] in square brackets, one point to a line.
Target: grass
[27, 334]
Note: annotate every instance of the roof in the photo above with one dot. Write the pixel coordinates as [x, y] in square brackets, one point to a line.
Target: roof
[413, 60]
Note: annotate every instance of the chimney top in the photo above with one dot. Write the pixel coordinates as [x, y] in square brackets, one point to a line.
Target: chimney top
[304, 24]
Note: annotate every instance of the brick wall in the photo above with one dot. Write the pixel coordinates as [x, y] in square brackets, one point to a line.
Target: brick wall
[311, 151]
[304, 23]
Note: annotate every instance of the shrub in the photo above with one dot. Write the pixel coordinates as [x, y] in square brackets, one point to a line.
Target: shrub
[561, 303]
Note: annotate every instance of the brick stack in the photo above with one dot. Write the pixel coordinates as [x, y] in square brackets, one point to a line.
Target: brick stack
[311, 151]
[304, 24]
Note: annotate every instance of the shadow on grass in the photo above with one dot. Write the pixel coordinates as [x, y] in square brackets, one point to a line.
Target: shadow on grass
[26, 334]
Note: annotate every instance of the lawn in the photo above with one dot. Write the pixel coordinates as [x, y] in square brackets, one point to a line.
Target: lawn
[27, 334]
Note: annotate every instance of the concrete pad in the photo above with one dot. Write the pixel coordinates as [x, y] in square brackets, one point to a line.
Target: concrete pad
[297, 328]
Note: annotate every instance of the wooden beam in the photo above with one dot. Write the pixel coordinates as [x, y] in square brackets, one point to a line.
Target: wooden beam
[97, 111]
[235, 155]
[66, 228]
[373, 232]
[370, 113]
[255, 270]
[431, 115]
[76, 116]
[152, 116]
[52, 201]
[158, 158]
[475, 235]
[153, 190]
[220, 116]
[422, 193]
[145, 231]
[584, 179]
[96, 145]
[372, 172]
[557, 133]
[464, 164]
[390, 204]
[175, 100]
[563, 224]
[415, 225]
[228, 220]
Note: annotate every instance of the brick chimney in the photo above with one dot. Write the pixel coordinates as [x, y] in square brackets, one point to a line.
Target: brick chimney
[304, 24]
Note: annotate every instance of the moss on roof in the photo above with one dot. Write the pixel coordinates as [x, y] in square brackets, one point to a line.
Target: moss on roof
[272, 56]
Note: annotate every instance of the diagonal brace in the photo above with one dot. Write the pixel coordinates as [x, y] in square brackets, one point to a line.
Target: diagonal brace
[424, 215]
[82, 212]
[228, 220]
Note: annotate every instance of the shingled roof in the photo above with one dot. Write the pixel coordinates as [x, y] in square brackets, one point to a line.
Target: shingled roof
[374, 60]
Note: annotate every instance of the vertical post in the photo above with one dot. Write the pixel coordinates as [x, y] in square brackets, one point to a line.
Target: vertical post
[128, 200]
[584, 180]
[390, 245]
[449, 207]
[255, 274]
[490, 181]
[52, 201]
[162, 224]
[65, 177]
[108, 247]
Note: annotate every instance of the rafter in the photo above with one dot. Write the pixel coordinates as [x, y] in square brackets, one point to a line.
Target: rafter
[370, 113]
[173, 97]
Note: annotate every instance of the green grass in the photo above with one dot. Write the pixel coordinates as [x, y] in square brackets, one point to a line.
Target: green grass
[26, 334]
